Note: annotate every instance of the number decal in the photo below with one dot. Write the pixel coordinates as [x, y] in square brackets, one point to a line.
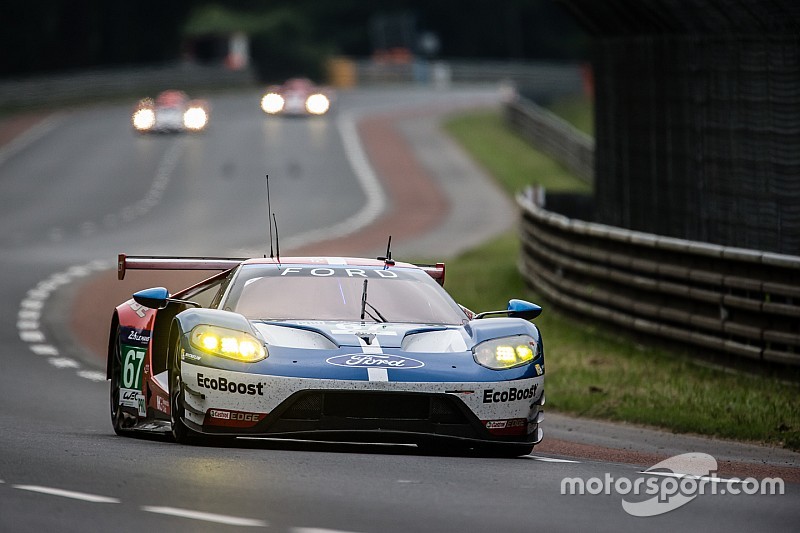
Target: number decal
[132, 368]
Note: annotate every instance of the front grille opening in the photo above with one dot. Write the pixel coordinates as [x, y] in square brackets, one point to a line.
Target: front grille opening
[358, 405]
[306, 407]
[342, 411]
[385, 406]
[443, 411]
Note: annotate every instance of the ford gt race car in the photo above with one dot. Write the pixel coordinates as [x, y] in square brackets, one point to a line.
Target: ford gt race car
[311, 348]
[171, 111]
[297, 96]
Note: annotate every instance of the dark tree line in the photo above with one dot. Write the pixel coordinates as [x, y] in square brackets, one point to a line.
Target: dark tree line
[57, 35]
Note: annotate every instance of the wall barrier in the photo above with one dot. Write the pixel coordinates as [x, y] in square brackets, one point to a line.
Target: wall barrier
[57, 89]
[731, 300]
[540, 77]
[553, 136]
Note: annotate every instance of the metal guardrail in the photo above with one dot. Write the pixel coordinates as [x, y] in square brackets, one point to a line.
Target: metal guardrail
[553, 136]
[730, 300]
[543, 77]
[56, 89]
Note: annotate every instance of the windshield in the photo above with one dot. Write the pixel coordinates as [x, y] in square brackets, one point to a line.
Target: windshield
[337, 292]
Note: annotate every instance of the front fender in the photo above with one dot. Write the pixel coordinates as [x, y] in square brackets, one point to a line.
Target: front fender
[492, 328]
[188, 319]
[112, 341]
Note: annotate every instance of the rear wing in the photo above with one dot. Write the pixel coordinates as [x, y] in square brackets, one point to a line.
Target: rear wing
[148, 262]
[151, 262]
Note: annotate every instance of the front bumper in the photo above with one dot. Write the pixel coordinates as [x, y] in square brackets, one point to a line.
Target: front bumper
[233, 403]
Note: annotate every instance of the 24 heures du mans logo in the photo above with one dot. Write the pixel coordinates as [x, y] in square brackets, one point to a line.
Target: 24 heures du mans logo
[362, 360]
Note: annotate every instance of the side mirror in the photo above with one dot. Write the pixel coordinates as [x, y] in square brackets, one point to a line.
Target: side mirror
[516, 309]
[158, 298]
[523, 309]
[155, 298]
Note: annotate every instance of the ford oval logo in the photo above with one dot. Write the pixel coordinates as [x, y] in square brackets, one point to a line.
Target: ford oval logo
[368, 360]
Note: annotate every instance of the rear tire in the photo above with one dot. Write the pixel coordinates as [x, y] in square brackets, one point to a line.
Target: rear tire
[118, 417]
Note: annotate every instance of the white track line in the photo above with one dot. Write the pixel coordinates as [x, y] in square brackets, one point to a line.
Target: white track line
[163, 175]
[551, 459]
[369, 182]
[316, 530]
[30, 308]
[35, 301]
[206, 517]
[68, 494]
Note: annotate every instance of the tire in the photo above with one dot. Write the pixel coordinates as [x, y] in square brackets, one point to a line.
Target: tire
[180, 432]
[118, 417]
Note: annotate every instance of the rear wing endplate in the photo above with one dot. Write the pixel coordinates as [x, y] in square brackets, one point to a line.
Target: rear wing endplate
[148, 262]
[435, 271]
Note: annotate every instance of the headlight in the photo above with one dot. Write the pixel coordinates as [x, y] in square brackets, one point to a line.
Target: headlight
[195, 118]
[272, 103]
[228, 343]
[508, 352]
[317, 104]
[144, 119]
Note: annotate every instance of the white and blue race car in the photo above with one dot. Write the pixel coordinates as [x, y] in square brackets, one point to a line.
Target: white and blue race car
[324, 348]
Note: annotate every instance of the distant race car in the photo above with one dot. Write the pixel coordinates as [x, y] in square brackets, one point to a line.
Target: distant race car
[324, 348]
[297, 96]
[171, 111]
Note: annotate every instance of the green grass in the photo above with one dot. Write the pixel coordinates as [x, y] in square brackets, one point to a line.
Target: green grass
[503, 153]
[576, 110]
[592, 372]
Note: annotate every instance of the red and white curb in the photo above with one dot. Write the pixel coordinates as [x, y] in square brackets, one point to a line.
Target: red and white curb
[32, 307]
[30, 136]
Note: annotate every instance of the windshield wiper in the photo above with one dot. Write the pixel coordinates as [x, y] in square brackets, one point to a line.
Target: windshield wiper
[365, 303]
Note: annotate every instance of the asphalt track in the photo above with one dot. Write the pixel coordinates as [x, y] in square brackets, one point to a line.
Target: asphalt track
[79, 187]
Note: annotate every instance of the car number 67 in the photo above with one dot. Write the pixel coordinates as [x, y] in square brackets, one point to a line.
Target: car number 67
[132, 369]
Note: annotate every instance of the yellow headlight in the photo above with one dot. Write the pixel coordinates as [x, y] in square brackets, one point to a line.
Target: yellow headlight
[509, 352]
[505, 354]
[524, 353]
[209, 342]
[317, 104]
[228, 343]
[272, 103]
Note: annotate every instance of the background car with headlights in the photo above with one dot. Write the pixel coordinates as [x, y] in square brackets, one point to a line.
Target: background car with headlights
[298, 97]
[170, 111]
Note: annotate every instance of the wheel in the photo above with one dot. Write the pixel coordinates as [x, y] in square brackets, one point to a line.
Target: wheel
[119, 419]
[180, 433]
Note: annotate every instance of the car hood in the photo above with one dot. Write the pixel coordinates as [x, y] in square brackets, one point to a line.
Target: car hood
[405, 352]
[371, 337]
